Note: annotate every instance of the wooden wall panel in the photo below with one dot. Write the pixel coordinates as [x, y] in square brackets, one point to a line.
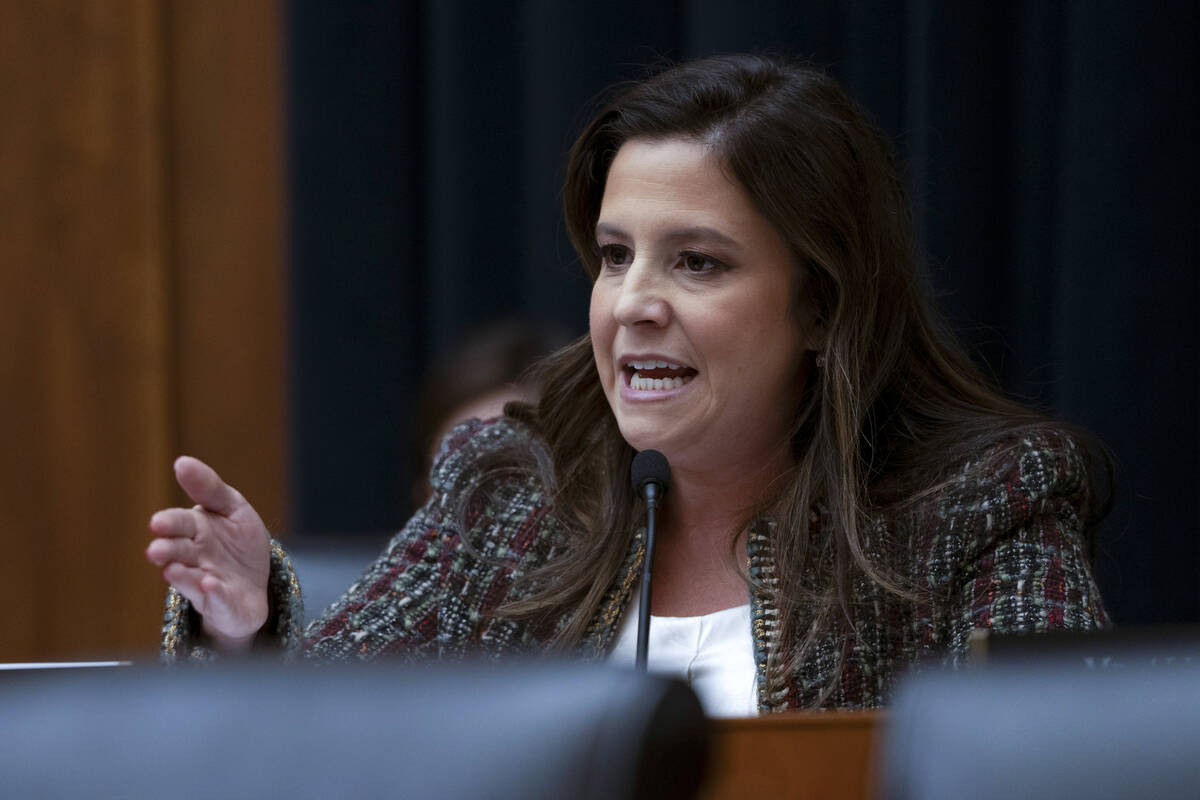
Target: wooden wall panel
[85, 365]
[226, 100]
[92, 316]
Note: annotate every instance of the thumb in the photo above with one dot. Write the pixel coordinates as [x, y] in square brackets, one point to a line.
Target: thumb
[205, 486]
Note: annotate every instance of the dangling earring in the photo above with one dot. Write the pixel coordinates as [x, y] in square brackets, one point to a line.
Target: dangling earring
[819, 360]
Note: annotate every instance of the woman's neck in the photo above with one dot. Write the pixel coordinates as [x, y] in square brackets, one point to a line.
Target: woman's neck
[710, 501]
[700, 549]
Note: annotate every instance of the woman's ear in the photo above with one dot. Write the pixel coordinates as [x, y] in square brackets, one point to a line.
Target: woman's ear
[812, 308]
[814, 334]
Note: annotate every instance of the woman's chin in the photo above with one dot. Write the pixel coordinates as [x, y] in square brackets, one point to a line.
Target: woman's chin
[643, 436]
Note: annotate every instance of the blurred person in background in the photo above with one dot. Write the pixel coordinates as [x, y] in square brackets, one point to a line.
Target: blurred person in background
[484, 371]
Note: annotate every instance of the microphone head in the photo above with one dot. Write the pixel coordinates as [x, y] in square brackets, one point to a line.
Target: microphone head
[650, 466]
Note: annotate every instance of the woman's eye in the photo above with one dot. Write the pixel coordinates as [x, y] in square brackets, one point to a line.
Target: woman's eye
[698, 262]
[615, 255]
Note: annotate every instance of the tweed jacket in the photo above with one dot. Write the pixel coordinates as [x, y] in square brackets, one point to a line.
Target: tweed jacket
[999, 547]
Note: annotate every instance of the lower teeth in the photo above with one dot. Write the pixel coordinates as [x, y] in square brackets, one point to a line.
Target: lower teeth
[654, 384]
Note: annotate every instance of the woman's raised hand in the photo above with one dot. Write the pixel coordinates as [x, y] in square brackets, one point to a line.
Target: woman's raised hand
[217, 554]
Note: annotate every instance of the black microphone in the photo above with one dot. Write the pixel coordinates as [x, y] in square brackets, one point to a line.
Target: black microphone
[651, 475]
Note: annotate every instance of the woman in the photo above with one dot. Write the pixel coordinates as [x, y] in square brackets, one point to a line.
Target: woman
[836, 460]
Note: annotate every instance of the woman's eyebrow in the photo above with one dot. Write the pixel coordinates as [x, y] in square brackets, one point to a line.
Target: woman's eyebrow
[694, 233]
[608, 229]
[705, 234]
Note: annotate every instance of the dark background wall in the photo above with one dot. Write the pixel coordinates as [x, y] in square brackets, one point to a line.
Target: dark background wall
[1049, 150]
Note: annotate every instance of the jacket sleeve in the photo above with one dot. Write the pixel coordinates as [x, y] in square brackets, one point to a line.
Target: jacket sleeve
[431, 591]
[1024, 566]
[393, 606]
[398, 604]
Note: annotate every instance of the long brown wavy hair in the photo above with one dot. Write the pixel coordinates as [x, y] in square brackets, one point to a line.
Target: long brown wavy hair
[893, 406]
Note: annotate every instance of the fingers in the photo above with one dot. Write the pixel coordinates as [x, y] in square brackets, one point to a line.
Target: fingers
[205, 486]
[174, 522]
[187, 581]
[164, 551]
[234, 623]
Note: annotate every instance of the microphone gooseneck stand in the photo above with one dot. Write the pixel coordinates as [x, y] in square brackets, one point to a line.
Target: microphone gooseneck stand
[651, 475]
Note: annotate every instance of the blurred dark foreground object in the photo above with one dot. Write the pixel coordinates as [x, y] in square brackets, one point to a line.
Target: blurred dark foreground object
[361, 730]
[1056, 728]
[1141, 646]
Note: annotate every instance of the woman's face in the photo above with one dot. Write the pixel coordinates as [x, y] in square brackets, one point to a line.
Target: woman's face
[692, 322]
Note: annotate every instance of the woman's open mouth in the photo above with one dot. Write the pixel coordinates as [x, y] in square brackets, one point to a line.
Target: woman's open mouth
[656, 375]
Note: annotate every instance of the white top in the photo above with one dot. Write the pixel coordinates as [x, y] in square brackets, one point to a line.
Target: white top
[713, 652]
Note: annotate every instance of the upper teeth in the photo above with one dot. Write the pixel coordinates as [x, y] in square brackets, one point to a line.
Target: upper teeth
[652, 365]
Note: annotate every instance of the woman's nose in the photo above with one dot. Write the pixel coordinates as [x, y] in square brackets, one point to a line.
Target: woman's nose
[643, 299]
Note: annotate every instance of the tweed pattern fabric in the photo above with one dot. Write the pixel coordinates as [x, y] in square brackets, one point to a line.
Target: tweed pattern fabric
[997, 547]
